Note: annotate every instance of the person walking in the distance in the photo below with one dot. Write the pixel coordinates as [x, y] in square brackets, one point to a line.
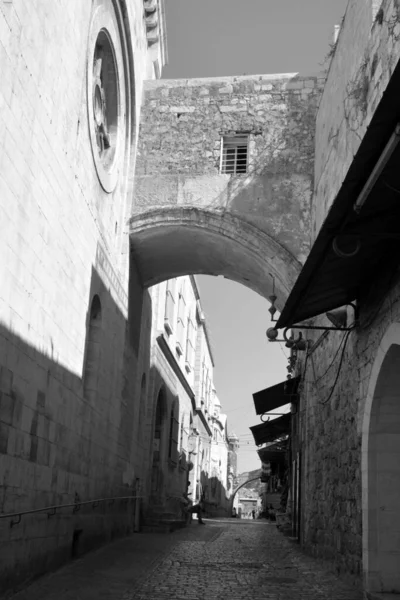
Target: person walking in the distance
[193, 509]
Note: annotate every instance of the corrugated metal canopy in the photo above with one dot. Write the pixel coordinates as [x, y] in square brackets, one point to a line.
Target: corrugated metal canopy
[276, 396]
[273, 452]
[328, 281]
[271, 430]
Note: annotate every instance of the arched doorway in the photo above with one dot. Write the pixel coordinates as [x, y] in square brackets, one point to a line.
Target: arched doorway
[381, 470]
[158, 443]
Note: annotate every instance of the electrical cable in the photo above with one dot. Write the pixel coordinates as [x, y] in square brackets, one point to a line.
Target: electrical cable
[282, 350]
[393, 189]
[332, 362]
[346, 337]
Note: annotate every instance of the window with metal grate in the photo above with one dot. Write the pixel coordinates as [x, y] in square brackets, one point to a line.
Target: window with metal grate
[234, 154]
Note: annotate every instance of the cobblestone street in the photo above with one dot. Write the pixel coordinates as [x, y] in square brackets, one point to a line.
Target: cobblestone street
[225, 559]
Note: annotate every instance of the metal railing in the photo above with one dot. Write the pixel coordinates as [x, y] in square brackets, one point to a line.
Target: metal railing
[51, 510]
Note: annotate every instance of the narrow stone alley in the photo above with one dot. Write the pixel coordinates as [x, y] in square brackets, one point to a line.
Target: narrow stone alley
[225, 559]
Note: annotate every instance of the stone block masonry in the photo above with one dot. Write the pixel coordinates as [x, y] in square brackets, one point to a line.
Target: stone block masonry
[62, 241]
[334, 487]
[341, 465]
[183, 120]
[366, 54]
[179, 162]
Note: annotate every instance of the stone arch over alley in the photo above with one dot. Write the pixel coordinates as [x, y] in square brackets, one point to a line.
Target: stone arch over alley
[224, 179]
[381, 469]
[172, 242]
[239, 487]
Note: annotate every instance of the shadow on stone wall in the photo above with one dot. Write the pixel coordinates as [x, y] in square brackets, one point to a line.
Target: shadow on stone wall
[216, 503]
[58, 446]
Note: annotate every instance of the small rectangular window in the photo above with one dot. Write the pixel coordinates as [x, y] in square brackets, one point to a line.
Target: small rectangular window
[170, 306]
[234, 158]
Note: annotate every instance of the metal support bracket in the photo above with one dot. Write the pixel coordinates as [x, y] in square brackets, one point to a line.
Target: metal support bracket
[312, 327]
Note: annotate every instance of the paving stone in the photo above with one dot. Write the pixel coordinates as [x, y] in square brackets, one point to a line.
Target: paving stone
[225, 559]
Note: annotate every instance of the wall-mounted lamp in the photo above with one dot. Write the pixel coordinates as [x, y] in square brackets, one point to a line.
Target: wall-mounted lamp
[291, 342]
[338, 317]
[273, 298]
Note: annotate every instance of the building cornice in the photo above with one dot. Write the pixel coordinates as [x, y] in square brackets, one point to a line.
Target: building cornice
[204, 421]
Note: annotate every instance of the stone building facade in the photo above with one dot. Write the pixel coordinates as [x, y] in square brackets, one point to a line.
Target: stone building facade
[349, 410]
[180, 407]
[219, 491]
[74, 316]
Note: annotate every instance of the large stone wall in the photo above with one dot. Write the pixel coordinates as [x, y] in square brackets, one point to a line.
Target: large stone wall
[365, 56]
[245, 226]
[62, 241]
[332, 417]
[180, 147]
[331, 505]
[333, 400]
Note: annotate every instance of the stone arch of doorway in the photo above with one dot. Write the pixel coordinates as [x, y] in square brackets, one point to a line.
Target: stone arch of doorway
[380, 469]
[174, 241]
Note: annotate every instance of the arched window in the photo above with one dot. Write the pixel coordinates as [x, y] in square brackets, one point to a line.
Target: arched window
[93, 348]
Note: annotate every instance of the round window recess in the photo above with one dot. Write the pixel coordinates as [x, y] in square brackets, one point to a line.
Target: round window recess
[106, 99]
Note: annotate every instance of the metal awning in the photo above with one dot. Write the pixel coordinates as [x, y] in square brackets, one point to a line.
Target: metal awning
[274, 452]
[276, 396]
[329, 280]
[271, 430]
[273, 447]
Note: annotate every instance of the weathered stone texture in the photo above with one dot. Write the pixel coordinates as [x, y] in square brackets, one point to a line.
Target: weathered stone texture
[332, 431]
[180, 148]
[366, 54]
[334, 402]
[241, 226]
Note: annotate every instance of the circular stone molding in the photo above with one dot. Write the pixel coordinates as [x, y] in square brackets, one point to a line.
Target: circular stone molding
[106, 100]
